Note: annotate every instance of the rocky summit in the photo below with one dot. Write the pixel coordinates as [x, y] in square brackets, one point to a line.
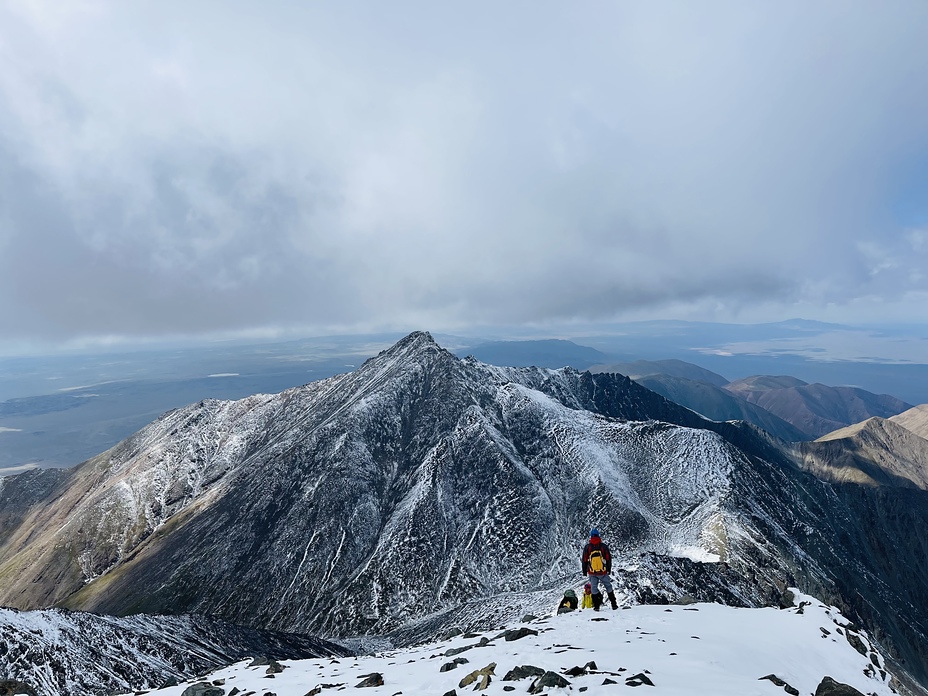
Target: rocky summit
[423, 491]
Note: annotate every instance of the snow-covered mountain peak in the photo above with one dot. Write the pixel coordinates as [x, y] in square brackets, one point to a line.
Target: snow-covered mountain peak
[421, 490]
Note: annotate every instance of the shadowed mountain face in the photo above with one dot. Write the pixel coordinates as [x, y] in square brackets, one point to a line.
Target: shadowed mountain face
[719, 405]
[422, 488]
[815, 409]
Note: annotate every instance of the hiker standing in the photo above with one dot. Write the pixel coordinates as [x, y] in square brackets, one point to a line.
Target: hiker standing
[597, 564]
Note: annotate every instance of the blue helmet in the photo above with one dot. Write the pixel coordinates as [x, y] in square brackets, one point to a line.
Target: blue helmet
[594, 532]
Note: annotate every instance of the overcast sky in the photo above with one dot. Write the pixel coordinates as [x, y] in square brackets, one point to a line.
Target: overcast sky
[175, 168]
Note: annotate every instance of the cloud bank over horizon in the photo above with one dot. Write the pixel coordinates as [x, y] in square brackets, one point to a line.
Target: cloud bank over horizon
[172, 169]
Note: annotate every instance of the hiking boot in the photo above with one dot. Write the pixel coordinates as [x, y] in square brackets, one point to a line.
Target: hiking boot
[612, 601]
[597, 601]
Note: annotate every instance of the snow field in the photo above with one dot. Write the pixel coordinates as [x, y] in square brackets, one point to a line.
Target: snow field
[696, 649]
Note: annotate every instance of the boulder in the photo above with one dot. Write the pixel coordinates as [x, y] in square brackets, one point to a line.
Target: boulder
[548, 679]
[830, 687]
[448, 666]
[372, 679]
[580, 671]
[483, 675]
[517, 633]
[203, 689]
[787, 599]
[522, 672]
[638, 680]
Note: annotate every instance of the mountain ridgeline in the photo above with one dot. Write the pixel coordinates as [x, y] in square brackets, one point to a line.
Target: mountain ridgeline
[422, 488]
[784, 406]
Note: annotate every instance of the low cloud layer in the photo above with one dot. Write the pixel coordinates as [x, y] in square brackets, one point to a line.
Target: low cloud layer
[170, 169]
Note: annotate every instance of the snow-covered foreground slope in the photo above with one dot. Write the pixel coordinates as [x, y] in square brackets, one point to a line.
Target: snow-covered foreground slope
[668, 650]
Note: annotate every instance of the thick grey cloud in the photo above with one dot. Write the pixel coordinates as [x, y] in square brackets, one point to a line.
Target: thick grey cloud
[174, 168]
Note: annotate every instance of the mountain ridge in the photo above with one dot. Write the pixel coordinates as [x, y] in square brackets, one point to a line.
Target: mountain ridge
[318, 509]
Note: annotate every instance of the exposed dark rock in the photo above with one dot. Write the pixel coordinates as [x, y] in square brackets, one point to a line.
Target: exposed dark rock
[548, 679]
[856, 643]
[457, 651]
[793, 691]
[448, 666]
[830, 687]
[528, 618]
[522, 672]
[203, 689]
[638, 680]
[607, 680]
[517, 633]
[372, 679]
[451, 633]
[787, 599]
[274, 667]
[684, 600]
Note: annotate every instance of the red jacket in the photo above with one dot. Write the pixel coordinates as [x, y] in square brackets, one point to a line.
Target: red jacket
[594, 545]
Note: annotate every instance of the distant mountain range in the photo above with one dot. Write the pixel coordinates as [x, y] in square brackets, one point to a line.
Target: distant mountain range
[422, 491]
[57, 411]
[551, 353]
[784, 406]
